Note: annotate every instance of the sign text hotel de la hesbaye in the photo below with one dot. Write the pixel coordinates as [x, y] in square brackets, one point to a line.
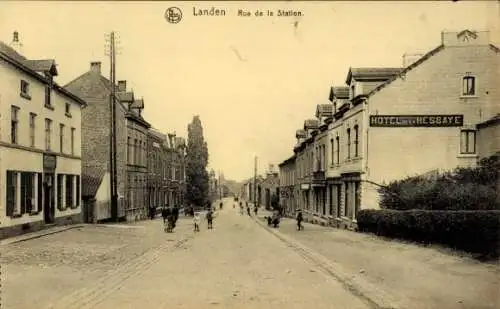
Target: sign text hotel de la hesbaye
[416, 120]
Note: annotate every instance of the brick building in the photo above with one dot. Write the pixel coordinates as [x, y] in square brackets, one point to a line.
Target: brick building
[430, 114]
[287, 185]
[131, 130]
[176, 158]
[40, 156]
[158, 179]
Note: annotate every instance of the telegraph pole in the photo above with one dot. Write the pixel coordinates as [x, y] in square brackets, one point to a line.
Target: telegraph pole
[255, 181]
[112, 137]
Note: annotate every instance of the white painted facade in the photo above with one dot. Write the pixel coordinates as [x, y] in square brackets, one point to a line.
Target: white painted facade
[24, 140]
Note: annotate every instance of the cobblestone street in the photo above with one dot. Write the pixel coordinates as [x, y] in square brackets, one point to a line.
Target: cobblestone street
[236, 265]
[407, 275]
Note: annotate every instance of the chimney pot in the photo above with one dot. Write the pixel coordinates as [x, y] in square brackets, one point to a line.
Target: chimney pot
[122, 85]
[95, 67]
[16, 37]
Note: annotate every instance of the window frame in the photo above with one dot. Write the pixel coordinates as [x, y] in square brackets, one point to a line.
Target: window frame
[24, 91]
[348, 143]
[465, 84]
[32, 124]
[356, 141]
[14, 124]
[48, 134]
[67, 110]
[61, 137]
[466, 151]
[73, 130]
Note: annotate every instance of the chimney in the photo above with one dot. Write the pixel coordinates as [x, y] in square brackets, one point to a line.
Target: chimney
[95, 67]
[15, 44]
[122, 85]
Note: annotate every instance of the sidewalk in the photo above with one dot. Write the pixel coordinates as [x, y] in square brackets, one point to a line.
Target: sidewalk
[40, 233]
[415, 276]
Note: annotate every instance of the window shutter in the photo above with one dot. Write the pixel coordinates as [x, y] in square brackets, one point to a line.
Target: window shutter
[24, 196]
[40, 192]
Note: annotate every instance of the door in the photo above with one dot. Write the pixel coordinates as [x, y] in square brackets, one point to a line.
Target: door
[48, 199]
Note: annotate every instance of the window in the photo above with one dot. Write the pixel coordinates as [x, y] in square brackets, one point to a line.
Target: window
[14, 123]
[338, 149]
[357, 198]
[129, 159]
[348, 143]
[27, 192]
[48, 133]
[469, 86]
[467, 141]
[324, 158]
[346, 200]
[332, 151]
[67, 110]
[69, 191]
[60, 179]
[48, 102]
[356, 141]
[61, 138]
[77, 191]
[32, 129]
[25, 90]
[73, 141]
[11, 194]
[136, 151]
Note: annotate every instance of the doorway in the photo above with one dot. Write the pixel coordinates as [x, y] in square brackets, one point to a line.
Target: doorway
[48, 199]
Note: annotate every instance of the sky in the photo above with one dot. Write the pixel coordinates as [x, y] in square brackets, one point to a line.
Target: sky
[252, 80]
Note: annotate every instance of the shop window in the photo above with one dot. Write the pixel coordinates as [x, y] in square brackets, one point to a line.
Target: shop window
[11, 194]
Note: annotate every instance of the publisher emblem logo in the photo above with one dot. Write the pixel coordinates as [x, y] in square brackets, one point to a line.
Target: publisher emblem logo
[173, 15]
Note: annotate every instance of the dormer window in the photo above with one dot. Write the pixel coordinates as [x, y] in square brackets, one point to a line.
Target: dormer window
[469, 86]
[25, 90]
[67, 110]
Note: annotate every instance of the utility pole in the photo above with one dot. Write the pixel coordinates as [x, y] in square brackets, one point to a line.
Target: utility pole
[255, 182]
[112, 136]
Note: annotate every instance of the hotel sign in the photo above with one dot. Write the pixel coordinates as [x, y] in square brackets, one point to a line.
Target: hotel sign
[416, 120]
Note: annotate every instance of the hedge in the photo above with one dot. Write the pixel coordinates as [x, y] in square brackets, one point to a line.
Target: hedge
[471, 231]
[461, 189]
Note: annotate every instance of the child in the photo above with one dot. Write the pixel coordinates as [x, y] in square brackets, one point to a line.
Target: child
[209, 219]
[196, 221]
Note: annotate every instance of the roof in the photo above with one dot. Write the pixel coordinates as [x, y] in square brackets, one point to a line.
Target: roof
[47, 65]
[91, 181]
[311, 124]
[495, 120]
[407, 69]
[125, 96]
[324, 110]
[300, 133]
[19, 61]
[290, 160]
[139, 103]
[371, 73]
[339, 93]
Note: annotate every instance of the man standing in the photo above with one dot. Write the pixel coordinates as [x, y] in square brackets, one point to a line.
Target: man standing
[299, 220]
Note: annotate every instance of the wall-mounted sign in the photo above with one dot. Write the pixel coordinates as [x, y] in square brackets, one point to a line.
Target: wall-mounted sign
[416, 120]
[49, 162]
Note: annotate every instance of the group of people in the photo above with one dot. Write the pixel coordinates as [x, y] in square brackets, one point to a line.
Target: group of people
[170, 217]
[273, 220]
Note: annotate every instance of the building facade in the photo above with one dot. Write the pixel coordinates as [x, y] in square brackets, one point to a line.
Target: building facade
[287, 185]
[433, 113]
[40, 153]
[157, 169]
[131, 136]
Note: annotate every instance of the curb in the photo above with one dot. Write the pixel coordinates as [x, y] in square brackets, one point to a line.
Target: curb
[38, 234]
[376, 297]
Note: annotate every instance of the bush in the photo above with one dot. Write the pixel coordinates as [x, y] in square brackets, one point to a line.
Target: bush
[471, 231]
[461, 189]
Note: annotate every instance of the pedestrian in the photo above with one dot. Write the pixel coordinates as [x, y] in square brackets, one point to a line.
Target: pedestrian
[196, 222]
[255, 210]
[248, 211]
[175, 215]
[221, 204]
[165, 213]
[299, 220]
[210, 219]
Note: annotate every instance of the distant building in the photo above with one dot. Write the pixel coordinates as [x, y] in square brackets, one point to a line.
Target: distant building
[40, 154]
[287, 185]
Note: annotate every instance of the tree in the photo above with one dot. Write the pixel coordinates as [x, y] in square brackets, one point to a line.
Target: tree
[196, 164]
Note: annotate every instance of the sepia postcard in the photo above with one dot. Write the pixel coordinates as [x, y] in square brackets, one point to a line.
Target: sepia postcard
[250, 154]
